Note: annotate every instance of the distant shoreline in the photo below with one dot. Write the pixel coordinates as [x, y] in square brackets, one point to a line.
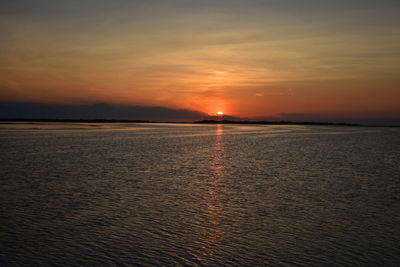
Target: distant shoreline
[11, 120]
[277, 123]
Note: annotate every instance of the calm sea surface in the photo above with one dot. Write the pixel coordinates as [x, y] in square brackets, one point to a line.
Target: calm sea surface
[198, 195]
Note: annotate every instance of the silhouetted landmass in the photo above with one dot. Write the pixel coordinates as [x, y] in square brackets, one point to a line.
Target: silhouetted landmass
[289, 123]
[2, 120]
[277, 122]
[11, 120]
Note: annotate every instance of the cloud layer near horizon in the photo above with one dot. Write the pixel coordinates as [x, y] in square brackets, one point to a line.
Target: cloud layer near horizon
[20, 110]
[96, 111]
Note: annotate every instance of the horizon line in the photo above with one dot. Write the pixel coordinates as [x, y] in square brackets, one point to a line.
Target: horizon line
[212, 121]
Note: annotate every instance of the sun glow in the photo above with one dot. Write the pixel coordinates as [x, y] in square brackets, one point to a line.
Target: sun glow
[220, 113]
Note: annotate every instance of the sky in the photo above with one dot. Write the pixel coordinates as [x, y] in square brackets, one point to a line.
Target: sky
[249, 59]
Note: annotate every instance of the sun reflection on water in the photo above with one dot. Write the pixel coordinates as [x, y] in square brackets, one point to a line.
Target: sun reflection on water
[213, 213]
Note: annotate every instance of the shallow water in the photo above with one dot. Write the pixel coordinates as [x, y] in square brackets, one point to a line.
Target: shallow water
[185, 194]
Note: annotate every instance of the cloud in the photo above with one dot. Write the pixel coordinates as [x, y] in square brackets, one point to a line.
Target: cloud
[96, 111]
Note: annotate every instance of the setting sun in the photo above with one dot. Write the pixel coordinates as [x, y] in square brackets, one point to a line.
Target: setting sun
[220, 113]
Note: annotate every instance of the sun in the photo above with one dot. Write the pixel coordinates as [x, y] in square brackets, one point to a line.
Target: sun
[220, 113]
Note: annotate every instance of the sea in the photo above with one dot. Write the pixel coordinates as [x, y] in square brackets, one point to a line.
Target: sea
[125, 194]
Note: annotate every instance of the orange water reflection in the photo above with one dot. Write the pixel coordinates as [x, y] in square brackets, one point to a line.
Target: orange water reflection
[213, 213]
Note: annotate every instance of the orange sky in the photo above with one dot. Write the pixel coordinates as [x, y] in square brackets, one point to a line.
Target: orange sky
[245, 58]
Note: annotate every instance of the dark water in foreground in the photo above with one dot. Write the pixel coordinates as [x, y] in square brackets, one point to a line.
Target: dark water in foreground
[170, 194]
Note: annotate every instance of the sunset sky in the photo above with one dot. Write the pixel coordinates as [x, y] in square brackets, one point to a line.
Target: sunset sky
[251, 59]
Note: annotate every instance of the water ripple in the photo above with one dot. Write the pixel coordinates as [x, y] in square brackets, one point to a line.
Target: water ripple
[199, 195]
